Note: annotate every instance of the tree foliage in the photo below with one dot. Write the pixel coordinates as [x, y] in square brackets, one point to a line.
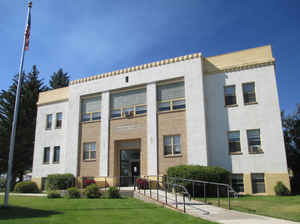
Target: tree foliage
[291, 130]
[32, 85]
[59, 79]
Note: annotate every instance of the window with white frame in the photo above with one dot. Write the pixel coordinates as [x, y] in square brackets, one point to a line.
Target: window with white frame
[249, 93]
[172, 145]
[230, 97]
[49, 121]
[56, 154]
[89, 151]
[234, 142]
[58, 120]
[90, 109]
[171, 96]
[254, 141]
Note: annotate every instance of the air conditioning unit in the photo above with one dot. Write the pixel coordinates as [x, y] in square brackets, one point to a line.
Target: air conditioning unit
[255, 148]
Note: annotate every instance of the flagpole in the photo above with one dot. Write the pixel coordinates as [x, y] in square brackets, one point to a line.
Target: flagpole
[14, 125]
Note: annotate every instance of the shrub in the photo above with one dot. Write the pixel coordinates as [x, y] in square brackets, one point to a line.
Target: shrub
[73, 192]
[113, 192]
[60, 181]
[26, 187]
[87, 182]
[204, 173]
[92, 191]
[53, 194]
[142, 183]
[281, 189]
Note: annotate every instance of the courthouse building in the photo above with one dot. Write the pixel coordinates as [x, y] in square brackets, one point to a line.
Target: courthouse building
[211, 111]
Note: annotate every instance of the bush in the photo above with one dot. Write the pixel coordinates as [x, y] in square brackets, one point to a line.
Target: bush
[142, 183]
[26, 187]
[113, 192]
[92, 191]
[87, 182]
[60, 181]
[281, 189]
[203, 173]
[73, 192]
[53, 194]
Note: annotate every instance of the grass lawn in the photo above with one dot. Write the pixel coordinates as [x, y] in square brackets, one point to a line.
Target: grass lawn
[42, 210]
[284, 207]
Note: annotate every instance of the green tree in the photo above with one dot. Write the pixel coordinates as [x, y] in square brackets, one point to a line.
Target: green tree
[59, 79]
[291, 130]
[32, 85]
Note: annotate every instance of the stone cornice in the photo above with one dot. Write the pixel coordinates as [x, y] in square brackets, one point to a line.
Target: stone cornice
[239, 67]
[137, 68]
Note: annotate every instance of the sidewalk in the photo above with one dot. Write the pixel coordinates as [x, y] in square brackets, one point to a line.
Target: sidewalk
[209, 212]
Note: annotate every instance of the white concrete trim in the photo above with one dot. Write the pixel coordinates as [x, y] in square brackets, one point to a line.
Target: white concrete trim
[104, 134]
[152, 162]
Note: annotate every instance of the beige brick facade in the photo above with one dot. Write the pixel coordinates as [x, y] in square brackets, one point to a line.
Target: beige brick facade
[171, 123]
[89, 132]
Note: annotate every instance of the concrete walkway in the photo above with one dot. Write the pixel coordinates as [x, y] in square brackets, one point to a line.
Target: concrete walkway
[208, 212]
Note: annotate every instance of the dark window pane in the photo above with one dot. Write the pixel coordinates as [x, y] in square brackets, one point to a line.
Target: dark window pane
[86, 117]
[238, 182]
[49, 121]
[116, 113]
[165, 106]
[178, 104]
[46, 158]
[254, 141]
[141, 109]
[258, 183]
[96, 116]
[167, 149]
[230, 98]
[234, 141]
[58, 120]
[249, 93]
[56, 154]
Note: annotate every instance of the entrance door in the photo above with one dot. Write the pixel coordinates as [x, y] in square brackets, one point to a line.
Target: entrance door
[129, 166]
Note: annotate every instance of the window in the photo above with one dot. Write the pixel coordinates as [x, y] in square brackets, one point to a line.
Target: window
[258, 182]
[234, 142]
[171, 97]
[172, 145]
[254, 142]
[90, 109]
[89, 152]
[56, 154]
[58, 120]
[43, 184]
[128, 104]
[249, 93]
[46, 158]
[237, 182]
[230, 97]
[49, 121]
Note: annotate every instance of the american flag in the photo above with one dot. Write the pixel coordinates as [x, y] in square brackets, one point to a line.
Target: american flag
[27, 32]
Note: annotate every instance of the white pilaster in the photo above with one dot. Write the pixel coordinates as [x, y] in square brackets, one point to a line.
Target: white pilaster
[104, 134]
[151, 130]
[195, 114]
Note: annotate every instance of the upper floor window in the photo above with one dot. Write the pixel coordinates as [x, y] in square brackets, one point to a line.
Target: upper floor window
[129, 103]
[90, 109]
[234, 142]
[49, 121]
[249, 93]
[254, 142]
[172, 145]
[171, 96]
[89, 151]
[46, 156]
[58, 120]
[230, 97]
[56, 154]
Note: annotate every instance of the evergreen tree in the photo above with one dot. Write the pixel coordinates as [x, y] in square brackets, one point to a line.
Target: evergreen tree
[59, 79]
[25, 132]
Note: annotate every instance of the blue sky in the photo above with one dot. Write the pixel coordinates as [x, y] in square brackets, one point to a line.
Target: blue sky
[95, 36]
